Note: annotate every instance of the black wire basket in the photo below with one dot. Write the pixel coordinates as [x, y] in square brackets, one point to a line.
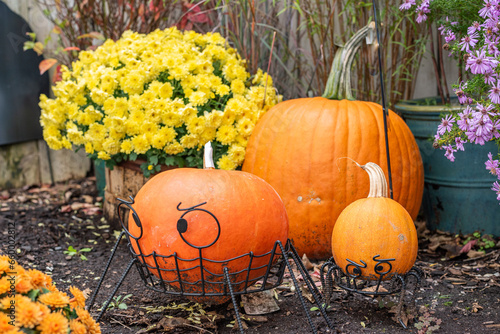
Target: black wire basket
[206, 280]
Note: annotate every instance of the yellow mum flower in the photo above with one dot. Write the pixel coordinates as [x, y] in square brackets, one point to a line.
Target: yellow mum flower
[238, 86]
[126, 146]
[196, 125]
[140, 144]
[166, 91]
[103, 155]
[198, 98]
[236, 153]
[226, 134]
[55, 299]
[189, 141]
[226, 163]
[54, 323]
[245, 126]
[174, 148]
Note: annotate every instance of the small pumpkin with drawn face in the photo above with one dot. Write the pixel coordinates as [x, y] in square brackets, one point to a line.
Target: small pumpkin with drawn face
[375, 237]
[187, 214]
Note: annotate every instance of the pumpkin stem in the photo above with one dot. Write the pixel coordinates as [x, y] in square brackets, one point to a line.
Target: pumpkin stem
[208, 159]
[378, 183]
[338, 86]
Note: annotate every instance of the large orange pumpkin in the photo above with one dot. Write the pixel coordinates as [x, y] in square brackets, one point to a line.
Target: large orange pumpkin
[251, 215]
[299, 146]
[376, 233]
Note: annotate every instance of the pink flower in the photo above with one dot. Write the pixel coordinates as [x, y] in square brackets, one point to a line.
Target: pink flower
[469, 41]
[407, 4]
[492, 165]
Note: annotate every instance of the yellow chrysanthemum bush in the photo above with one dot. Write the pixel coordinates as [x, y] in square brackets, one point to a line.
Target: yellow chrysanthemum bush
[30, 303]
[158, 97]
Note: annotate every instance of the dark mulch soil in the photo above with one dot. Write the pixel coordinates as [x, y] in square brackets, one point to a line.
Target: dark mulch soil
[460, 292]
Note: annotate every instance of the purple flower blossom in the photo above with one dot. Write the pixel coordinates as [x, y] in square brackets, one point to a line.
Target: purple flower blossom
[462, 98]
[446, 124]
[469, 41]
[473, 28]
[464, 119]
[489, 79]
[449, 152]
[494, 95]
[496, 188]
[407, 5]
[450, 36]
[480, 131]
[421, 10]
[460, 143]
[486, 10]
[492, 165]
[484, 112]
[480, 63]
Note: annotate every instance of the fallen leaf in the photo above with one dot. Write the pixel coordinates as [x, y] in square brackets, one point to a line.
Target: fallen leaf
[259, 303]
[306, 262]
[476, 307]
[468, 246]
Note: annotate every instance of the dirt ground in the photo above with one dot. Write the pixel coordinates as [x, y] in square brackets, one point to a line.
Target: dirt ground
[60, 230]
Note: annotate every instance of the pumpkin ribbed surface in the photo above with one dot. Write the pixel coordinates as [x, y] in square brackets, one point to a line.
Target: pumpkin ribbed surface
[301, 148]
[375, 226]
[251, 214]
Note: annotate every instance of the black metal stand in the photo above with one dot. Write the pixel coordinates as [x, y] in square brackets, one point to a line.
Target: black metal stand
[349, 280]
[211, 284]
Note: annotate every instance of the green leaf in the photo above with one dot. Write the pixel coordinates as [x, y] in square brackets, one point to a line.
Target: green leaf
[33, 294]
[122, 306]
[169, 161]
[133, 156]
[71, 249]
[83, 257]
[85, 249]
[153, 160]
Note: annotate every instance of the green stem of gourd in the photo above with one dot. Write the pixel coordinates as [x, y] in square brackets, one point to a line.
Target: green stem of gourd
[338, 86]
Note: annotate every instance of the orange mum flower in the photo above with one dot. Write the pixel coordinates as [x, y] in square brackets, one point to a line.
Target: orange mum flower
[4, 285]
[4, 266]
[23, 283]
[4, 323]
[77, 327]
[78, 299]
[18, 301]
[14, 331]
[54, 323]
[55, 299]
[39, 279]
[88, 321]
[28, 315]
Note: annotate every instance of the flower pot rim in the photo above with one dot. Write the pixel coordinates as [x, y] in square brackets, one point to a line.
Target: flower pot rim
[414, 105]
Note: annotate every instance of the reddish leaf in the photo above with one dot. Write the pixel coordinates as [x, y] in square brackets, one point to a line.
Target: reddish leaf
[72, 48]
[468, 246]
[57, 30]
[58, 75]
[46, 64]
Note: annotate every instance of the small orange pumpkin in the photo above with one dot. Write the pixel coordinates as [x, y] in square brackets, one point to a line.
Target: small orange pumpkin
[251, 218]
[298, 147]
[376, 233]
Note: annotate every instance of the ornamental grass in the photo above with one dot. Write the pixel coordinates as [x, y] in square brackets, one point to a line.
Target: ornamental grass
[30, 303]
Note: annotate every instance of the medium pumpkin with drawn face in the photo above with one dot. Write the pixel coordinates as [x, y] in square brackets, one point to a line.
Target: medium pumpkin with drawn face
[219, 214]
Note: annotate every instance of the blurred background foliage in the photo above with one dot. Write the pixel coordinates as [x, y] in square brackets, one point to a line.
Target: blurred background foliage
[307, 34]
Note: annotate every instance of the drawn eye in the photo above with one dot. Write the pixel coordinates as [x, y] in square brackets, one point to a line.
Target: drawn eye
[182, 224]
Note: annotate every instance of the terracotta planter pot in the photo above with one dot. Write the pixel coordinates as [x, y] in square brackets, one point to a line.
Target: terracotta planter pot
[123, 181]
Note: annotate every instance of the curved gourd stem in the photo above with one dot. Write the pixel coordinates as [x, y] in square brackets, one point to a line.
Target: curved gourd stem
[208, 159]
[378, 182]
[338, 86]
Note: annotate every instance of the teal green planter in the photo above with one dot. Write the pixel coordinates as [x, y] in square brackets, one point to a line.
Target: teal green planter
[457, 195]
[100, 176]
